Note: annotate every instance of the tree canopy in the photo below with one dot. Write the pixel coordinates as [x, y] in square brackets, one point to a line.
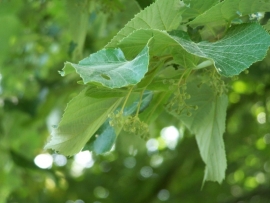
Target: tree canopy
[134, 101]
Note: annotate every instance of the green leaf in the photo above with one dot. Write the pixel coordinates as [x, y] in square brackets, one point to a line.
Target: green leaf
[110, 68]
[101, 92]
[161, 44]
[155, 107]
[267, 26]
[78, 24]
[208, 124]
[196, 8]
[146, 99]
[82, 118]
[242, 46]
[228, 10]
[162, 15]
[103, 140]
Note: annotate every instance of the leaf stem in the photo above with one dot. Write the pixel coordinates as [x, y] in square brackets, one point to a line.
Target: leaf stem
[125, 102]
[139, 105]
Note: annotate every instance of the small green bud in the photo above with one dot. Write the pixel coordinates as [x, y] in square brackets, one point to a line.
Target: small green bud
[184, 87]
[187, 96]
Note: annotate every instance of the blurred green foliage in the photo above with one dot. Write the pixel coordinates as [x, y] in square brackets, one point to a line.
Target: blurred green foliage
[36, 38]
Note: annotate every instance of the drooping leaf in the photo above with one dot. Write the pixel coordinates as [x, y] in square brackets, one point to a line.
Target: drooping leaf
[228, 10]
[196, 8]
[242, 46]
[208, 124]
[82, 118]
[110, 68]
[162, 15]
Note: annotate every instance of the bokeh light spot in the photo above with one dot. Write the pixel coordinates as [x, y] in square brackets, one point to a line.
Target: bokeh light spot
[146, 171]
[261, 118]
[101, 192]
[152, 145]
[130, 162]
[43, 161]
[156, 160]
[170, 135]
[59, 160]
[163, 195]
[260, 144]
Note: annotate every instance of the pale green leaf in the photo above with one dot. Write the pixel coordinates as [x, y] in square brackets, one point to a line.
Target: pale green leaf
[208, 124]
[228, 10]
[110, 68]
[242, 46]
[82, 118]
[162, 15]
[196, 8]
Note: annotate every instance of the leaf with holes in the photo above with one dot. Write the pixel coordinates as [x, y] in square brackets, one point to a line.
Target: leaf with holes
[242, 46]
[110, 68]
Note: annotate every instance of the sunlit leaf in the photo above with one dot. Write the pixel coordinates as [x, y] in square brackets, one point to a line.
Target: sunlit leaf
[82, 118]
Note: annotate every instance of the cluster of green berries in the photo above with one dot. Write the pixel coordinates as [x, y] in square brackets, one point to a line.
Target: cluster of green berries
[214, 80]
[135, 126]
[116, 119]
[130, 124]
[178, 102]
[218, 84]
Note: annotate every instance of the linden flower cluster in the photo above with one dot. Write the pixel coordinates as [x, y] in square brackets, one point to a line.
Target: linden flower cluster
[178, 102]
[130, 124]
